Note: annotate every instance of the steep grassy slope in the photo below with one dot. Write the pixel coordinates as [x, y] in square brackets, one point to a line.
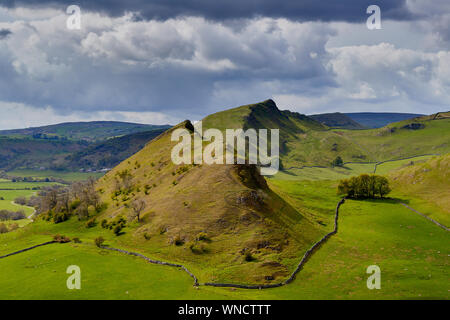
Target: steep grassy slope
[232, 204]
[427, 186]
[90, 131]
[337, 120]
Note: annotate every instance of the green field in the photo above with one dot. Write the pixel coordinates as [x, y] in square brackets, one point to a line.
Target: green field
[412, 253]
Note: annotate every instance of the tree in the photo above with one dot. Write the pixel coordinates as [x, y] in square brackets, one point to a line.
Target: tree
[382, 186]
[138, 206]
[338, 162]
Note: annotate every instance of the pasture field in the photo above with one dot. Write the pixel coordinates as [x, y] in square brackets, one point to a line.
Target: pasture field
[412, 253]
[10, 195]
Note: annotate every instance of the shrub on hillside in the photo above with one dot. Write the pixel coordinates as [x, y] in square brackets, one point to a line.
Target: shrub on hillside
[99, 241]
[91, 223]
[60, 238]
[3, 228]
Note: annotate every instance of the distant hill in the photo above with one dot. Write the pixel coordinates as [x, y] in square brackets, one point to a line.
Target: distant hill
[26, 152]
[109, 153]
[88, 131]
[379, 119]
[337, 120]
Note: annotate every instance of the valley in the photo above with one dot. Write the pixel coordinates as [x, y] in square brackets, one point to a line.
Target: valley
[228, 224]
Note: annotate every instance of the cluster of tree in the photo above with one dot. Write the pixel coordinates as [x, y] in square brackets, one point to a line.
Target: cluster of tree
[58, 203]
[364, 186]
[11, 215]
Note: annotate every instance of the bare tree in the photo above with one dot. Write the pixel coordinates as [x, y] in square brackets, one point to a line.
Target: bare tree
[138, 206]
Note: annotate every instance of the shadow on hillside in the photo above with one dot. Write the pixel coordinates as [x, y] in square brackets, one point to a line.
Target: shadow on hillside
[384, 200]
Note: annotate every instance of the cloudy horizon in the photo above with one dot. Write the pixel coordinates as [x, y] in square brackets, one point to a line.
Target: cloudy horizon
[162, 62]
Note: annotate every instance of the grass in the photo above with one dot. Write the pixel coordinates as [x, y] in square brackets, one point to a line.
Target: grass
[411, 252]
[10, 195]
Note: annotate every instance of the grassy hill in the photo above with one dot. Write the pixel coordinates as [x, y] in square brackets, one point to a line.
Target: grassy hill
[337, 120]
[307, 142]
[379, 119]
[232, 204]
[426, 185]
[89, 131]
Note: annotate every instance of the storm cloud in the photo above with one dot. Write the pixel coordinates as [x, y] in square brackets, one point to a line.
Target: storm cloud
[165, 61]
[302, 10]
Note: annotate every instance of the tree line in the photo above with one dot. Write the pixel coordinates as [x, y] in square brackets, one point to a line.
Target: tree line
[364, 186]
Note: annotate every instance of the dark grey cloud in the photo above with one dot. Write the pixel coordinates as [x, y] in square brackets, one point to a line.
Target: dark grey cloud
[4, 33]
[303, 10]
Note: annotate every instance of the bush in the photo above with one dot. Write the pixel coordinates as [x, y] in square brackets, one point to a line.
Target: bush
[60, 238]
[91, 223]
[104, 224]
[118, 229]
[202, 236]
[3, 228]
[99, 241]
[178, 241]
[13, 227]
[249, 257]
[76, 240]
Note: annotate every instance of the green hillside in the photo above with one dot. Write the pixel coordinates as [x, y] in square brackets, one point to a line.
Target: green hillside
[88, 131]
[307, 142]
[426, 185]
[232, 204]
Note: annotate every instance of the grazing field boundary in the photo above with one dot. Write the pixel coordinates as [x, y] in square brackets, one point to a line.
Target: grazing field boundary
[154, 261]
[407, 158]
[26, 249]
[375, 163]
[425, 216]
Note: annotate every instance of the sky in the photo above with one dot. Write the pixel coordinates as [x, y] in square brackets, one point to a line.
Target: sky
[164, 61]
